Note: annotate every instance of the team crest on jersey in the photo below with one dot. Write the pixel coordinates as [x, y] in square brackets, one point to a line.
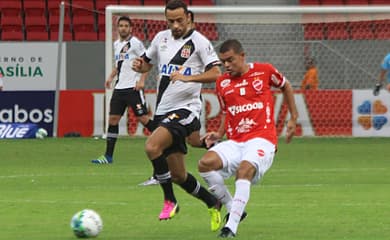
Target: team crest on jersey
[186, 51]
[225, 83]
[257, 84]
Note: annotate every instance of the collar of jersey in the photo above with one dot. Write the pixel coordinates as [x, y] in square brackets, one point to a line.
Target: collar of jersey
[188, 34]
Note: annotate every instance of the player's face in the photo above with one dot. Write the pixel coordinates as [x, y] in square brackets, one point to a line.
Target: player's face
[234, 63]
[177, 22]
[124, 29]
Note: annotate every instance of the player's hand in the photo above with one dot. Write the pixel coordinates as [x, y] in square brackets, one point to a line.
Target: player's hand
[108, 83]
[139, 85]
[377, 88]
[210, 139]
[177, 76]
[291, 127]
[137, 64]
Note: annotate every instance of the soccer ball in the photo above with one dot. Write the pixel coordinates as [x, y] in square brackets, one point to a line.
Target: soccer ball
[86, 223]
[41, 133]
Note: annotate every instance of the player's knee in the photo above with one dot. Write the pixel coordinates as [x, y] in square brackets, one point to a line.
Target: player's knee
[152, 150]
[206, 164]
[114, 119]
[178, 177]
[246, 171]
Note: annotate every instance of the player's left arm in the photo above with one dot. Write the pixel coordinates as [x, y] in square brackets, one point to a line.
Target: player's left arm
[288, 95]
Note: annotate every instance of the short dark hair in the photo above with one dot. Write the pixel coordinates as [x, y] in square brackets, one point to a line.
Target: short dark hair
[192, 17]
[124, 18]
[175, 4]
[231, 44]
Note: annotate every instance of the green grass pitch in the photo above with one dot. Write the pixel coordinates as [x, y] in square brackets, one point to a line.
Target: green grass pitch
[317, 188]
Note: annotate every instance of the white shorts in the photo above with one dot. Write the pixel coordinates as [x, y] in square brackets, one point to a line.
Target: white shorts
[258, 151]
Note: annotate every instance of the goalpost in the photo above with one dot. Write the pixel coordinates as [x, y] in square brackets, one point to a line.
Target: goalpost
[347, 43]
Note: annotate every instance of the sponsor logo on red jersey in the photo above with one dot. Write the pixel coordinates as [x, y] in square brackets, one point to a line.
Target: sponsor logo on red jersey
[235, 109]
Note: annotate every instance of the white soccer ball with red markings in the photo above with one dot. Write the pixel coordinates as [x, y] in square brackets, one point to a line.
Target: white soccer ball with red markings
[86, 223]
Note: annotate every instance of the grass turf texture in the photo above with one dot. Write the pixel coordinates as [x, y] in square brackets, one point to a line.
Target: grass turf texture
[317, 188]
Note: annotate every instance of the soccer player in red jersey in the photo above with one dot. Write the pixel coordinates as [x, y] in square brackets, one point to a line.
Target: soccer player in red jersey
[244, 91]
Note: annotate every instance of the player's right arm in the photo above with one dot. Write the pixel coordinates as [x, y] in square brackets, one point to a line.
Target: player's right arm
[110, 78]
[141, 66]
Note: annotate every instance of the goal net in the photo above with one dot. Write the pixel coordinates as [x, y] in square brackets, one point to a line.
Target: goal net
[347, 45]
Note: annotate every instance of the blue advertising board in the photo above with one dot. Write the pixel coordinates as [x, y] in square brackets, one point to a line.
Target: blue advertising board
[28, 107]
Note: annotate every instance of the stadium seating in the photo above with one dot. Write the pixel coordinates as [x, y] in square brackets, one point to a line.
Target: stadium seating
[361, 26]
[130, 2]
[153, 2]
[153, 27]
[84, 19]
[356, 2]
[11, 22]
[332, 2]
[201, 2]
[382, 29]
[54, 28]
[101, 5]
[361, 30]
[379, 2]
[12, 33]
[309, 2]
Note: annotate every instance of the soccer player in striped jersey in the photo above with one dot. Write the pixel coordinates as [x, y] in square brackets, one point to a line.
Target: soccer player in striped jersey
[185, 59]
[128, 91]
[244, 91]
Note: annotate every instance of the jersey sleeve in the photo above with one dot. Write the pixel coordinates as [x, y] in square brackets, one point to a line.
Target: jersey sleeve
[140, 49]
[276, 78]
[218, 90]
[207, 53]
[151, 53]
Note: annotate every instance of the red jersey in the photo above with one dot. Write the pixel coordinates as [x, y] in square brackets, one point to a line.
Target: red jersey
[248, 102]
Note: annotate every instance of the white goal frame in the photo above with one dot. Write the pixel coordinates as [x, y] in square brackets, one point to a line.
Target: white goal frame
[291, 12]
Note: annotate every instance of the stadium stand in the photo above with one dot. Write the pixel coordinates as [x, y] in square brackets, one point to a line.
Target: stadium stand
[356, 2]
[11, 22]
[309, 2]
[332, 2]
[130, 2]
[38, 20]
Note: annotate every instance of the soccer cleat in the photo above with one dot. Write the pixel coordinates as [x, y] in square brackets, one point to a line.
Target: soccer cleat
[103, 159]
[149, 182]
[215, 217]
[226, 233]
[243, 216]
[169, 210]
